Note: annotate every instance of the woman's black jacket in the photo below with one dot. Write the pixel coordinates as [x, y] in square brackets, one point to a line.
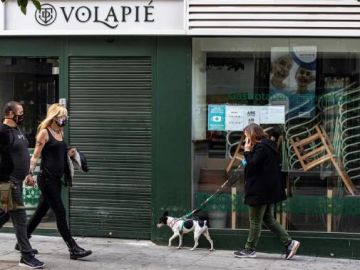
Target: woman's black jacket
[264, 183]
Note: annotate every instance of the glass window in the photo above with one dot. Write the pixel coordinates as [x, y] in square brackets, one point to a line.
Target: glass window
[32, 81]
[316, 85]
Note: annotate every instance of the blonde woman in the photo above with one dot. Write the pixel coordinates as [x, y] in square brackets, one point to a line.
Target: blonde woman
[52, 149]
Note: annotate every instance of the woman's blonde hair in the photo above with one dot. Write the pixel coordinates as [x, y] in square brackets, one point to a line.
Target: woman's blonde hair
[55, 110]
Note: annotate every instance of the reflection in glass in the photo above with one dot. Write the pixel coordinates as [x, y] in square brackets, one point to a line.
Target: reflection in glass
[33, 82]
[317, 81]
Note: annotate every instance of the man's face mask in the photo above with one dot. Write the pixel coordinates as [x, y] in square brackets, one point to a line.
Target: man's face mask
[61, 122]
[18, 118]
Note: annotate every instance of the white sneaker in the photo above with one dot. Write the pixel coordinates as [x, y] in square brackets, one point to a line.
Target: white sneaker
[291, 249]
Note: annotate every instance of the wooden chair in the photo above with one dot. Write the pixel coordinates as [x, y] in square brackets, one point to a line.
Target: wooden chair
[237, 155]
[311, 159]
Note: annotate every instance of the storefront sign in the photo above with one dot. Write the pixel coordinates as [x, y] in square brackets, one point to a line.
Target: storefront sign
[128, 17]
[236, 117]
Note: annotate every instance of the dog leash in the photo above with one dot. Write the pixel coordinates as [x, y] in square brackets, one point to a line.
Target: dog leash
[232, 179]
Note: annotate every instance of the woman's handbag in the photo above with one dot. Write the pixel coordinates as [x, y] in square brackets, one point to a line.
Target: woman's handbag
[6, 197]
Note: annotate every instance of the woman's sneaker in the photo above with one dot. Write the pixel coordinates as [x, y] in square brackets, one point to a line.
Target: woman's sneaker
[245, 253]
[31, 262]
[291, 249]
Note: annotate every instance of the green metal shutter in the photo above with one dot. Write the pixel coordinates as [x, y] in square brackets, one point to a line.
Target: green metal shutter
[111, 123]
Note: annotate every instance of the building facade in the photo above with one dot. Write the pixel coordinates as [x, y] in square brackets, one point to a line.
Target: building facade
[158, 94]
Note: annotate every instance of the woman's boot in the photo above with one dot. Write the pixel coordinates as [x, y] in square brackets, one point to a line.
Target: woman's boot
[77, 252]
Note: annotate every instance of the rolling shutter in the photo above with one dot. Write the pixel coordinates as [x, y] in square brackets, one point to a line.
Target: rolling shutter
[111, 123]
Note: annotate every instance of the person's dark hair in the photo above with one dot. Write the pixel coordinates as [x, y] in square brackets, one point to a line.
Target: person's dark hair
[10, 106]
[256, 133]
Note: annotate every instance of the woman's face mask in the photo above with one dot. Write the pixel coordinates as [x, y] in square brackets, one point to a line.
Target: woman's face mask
[61, 122]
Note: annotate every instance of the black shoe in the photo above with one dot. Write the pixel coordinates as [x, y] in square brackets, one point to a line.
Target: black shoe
[245, 253]
[33, 251]
[291, 249]
[31, 262]
[78, 252]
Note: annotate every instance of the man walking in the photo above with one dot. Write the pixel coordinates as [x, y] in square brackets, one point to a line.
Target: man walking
[14, 168]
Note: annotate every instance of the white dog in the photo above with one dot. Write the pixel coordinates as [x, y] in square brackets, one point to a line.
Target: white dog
[183, 226]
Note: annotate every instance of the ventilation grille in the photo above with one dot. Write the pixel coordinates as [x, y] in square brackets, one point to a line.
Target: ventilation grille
[232, 17]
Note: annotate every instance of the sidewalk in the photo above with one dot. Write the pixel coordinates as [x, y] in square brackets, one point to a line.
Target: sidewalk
[115, 254]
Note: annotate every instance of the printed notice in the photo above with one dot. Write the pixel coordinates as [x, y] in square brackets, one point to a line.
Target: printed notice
[272, 115]
[234, 118]
[251, 114]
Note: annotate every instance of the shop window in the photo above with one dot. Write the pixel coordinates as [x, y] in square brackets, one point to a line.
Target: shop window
[32, 81]
[289, 87]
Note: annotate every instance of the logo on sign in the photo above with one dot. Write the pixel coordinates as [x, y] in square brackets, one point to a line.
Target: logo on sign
[109, 16]
[216, 118]
[46, 15]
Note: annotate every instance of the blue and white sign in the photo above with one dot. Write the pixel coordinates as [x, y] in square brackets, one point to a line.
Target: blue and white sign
[216, 117]
[237, 117]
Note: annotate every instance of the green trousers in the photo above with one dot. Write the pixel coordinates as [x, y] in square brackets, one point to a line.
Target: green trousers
[264, 214]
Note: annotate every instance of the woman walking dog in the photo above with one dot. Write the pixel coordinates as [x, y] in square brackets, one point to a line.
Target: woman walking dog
[263, 188]
[50, 145]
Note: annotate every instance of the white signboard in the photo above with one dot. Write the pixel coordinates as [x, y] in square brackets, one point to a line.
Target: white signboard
[272, 115]
[97, 17]
[237, 117]
[234, 118]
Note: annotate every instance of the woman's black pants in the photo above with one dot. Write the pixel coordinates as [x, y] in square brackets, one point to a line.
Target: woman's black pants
[50, 198]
